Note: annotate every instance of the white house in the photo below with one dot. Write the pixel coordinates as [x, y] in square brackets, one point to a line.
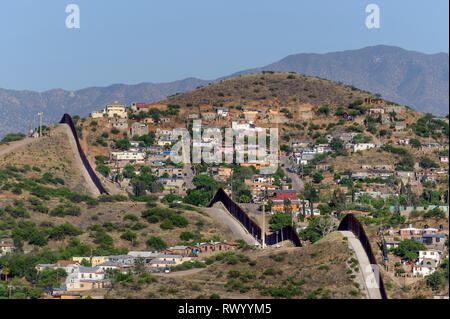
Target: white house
[429, 254]
[222, 112]
[112, 110]
[425, 268]
[362, 146]
[128, 156]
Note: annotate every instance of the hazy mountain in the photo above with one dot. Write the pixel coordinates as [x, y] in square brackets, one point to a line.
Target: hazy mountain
[405, 77]
[18, 109]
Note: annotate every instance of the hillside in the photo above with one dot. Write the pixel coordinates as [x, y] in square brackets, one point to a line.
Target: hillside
[406, 77]
[44, 203]
[318, 271]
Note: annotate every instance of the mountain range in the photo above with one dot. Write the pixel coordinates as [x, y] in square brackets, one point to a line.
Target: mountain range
[410, 78]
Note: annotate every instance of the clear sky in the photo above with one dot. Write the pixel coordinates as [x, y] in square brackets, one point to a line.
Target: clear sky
[138, 41]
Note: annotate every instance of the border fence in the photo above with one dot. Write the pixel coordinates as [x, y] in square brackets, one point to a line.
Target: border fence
[349, 222]
[66, 119]
[286, 233]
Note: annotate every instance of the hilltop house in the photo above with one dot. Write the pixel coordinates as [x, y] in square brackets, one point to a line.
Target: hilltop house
[111, 110]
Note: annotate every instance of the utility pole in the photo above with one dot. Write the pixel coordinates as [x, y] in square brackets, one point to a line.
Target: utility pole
[40, 123]
[263, 234]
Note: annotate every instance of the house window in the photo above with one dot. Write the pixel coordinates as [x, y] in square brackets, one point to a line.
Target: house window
[438, 239]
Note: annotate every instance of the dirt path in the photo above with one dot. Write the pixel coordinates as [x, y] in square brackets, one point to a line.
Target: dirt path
[90, 186]
[180, 273]
[364, 266]
[7, 148]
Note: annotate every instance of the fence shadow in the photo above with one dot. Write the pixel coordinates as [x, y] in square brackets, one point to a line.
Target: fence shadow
[66, 119]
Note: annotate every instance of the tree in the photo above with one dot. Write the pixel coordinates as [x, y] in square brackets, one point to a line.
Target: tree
[310, 193]
[138, 187]
[408, 249]
[50, 278]
[156, 243]
[426, 162]
[414, 142]
[317, 178]
[338, 201]
[279, 220]
[436, 280]
[318, 227]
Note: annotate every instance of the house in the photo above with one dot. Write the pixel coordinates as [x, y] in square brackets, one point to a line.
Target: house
[148, 120]
[443, 159]
[192, 116]
[121, 259]
[278, 205]
[425, 267]
[138, 129]
[403, 141]
[208, 116]
[376, 111]
[108, 265]
[139, 106]
[222, 112]
[179, 250]
[322, 148]
[362, 146]
[389, 244]
[429, 254]
[210, 248]
[345, 137]
[221, 172]
[434, 241]
[410, 232]
[6, 248]
[164, 120]
[399, 127]
[111, 110]
[241, 124]
[128, 156]
[86, 278]
[396, 109]
[93, 260]
[170, 171]
[282, 194]
[385, 119]
[119, 123]
[165, 140]
[300, 145]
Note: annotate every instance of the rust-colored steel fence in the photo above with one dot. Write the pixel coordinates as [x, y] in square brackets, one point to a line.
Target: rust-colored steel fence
[286, 233]
[349, 222]
[66, 119]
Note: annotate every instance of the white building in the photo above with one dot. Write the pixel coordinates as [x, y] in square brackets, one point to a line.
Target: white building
[112, 110]
[362, 146]
[128, 156]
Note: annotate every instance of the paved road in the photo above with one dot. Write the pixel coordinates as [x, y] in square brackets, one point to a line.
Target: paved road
[297, 182]
[187, 170]
[238, 230]
[364, 265]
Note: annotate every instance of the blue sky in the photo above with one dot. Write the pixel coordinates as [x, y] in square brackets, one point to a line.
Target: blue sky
[138, 41]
